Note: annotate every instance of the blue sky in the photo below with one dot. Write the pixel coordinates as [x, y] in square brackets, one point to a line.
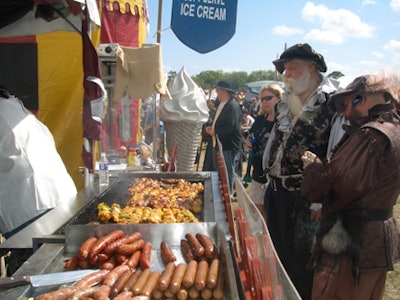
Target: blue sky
[355, 36]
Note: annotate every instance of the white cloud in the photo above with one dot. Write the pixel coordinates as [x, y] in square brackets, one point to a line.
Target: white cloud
[377, 54]
[395, 5]
[336, 26]
[368, 2]
[393, 48]
[369, 63]
[286, 31]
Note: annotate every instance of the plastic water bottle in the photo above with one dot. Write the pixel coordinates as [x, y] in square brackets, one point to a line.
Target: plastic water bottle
[104, 179]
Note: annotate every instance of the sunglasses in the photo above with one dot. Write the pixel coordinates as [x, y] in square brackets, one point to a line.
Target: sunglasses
[357, 100]
[267, 98]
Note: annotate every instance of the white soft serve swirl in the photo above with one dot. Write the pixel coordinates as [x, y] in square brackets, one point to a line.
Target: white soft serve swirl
[188, 103]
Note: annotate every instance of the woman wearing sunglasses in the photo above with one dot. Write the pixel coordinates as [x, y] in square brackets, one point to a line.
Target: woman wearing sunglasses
[258, 135]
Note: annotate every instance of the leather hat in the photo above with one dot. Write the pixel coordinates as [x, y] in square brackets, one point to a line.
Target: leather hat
[366, 84]
[300, 51]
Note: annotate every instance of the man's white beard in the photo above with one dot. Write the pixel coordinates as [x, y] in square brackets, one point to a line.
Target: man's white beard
[295, 104]
[296, 87]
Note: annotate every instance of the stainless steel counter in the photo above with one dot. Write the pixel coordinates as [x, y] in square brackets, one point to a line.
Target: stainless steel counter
[45, 228]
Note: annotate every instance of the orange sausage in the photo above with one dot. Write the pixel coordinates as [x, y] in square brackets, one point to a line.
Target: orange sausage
[194, 243]
[145, 256]
[92, 279]
[177, 278]
[120, 283]
[193, 293]
[72, 263]
[140, 283]
[127, 239]
[190, 274]
[132, 280]
[86, 247]
[150, 284]
[102, 243]
[129, 249]
[186, 251]
[166, 276]
[206, 294]
[102, 293]
[210, 250]
[212, 276]
[133, 261]
[111, 278]
[182, 294]
[59, 294]
[201, 275]
[166, 253]
[218, 292]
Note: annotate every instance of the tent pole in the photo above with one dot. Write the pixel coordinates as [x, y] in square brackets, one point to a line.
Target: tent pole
[159, 21]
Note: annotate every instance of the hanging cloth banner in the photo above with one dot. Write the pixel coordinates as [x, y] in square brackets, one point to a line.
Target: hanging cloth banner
[204, 25]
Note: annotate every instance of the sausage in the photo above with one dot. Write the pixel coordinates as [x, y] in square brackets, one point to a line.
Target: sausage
[212, 276]
[145, 256]
[186, 251]
[120, 283]
[150, 284]
[86, 247]
[102, 257]
[166, 276]
[193, 293]
[84, 264]
[218, 292]
[166, 253]
[127, 239]
[140, 283]
[62, 294]
[201, 275]
[81, 293]
[206, 294]
[129, 249]
[102, 293]
[190, 274]
[102, 243]
[169, 295]
[177, 278]
[182, 294]
[210, 250]
[132, 280]
[121, 259]
[114, 274]
[109, 264]
[133, 261]
[72, 263]
[92, 279]
[157, 294]
[125, 295]
[197, 248]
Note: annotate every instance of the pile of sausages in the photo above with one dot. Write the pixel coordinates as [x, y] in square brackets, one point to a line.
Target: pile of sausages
[124, 262]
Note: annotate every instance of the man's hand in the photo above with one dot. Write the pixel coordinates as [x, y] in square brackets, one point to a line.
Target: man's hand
[308, 158]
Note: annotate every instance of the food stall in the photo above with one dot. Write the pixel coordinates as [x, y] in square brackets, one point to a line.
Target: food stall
[247, 259]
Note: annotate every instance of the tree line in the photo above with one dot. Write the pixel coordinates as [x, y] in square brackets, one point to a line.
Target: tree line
[208, 79]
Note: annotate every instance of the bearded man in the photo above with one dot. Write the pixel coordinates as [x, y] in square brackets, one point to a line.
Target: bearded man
[303, 123]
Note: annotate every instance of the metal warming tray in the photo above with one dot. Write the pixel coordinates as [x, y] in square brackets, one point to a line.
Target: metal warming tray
[154, 233]
[118, 193]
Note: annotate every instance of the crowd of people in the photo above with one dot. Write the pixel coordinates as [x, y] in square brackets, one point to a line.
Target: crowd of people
[325, 172]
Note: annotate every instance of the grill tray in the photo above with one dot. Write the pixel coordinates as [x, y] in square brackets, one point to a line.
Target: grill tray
[118, 193]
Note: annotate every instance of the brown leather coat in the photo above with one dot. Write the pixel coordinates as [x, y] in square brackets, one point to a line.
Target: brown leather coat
[363, 175]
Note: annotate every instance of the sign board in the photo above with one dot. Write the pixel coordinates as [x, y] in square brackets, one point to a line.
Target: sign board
[204, 25]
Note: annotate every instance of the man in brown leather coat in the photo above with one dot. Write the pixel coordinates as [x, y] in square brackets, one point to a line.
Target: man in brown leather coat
[358, 239]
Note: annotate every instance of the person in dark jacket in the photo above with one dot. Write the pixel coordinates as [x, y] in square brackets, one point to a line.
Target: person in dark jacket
[358, 240]
[226, 127]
